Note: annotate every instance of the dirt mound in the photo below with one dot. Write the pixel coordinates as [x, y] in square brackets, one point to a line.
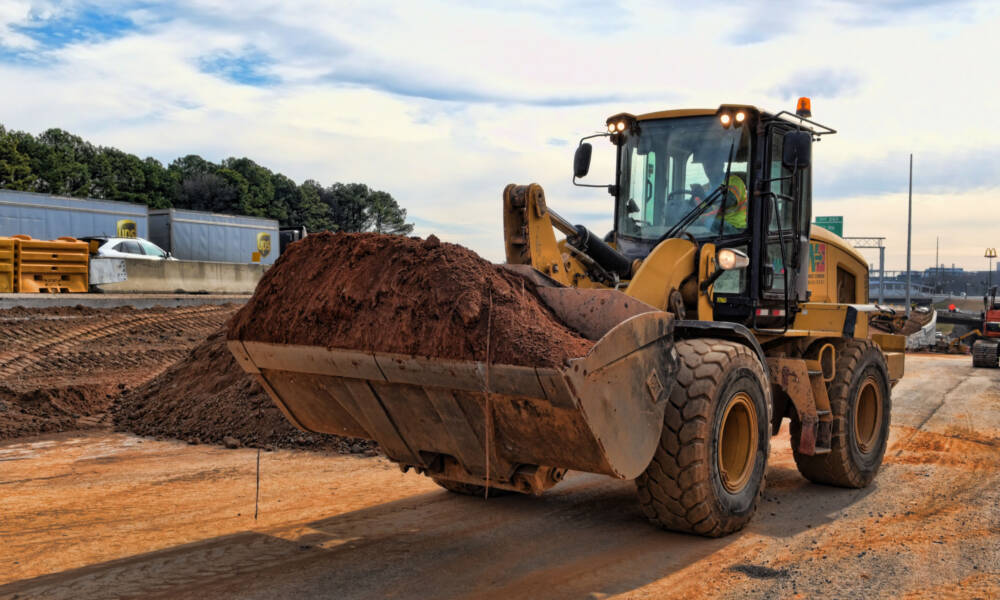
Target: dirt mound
[62, 367]
[900, 324]
[918, 318]
[405, 295]
[47, 410]
[207, 397]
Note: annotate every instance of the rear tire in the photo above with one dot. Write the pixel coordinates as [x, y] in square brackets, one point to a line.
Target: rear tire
[469, 489]
[984, 354]
[861, 405]
[707, 475]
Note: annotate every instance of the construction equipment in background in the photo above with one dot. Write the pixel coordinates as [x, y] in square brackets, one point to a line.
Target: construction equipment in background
[986, 351]
[716, 314]
[957, 344]
[892, 321]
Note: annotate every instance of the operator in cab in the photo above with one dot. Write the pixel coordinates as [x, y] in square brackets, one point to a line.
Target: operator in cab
[733, 209]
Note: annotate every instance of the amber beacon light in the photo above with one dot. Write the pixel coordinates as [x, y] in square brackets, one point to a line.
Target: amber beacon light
[804, 108]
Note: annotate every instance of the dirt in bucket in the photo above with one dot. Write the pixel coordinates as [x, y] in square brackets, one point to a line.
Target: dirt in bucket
[372, 292]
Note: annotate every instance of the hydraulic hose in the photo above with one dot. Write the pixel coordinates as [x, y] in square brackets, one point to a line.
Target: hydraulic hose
[593, 246]
[607, 257]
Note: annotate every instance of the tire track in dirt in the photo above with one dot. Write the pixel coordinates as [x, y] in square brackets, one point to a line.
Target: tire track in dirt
[16, 359]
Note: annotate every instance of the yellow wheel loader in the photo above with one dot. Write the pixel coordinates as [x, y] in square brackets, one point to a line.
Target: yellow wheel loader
[715, 311]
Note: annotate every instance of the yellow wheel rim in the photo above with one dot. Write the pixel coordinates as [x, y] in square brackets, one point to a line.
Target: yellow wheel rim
[868, 414]
[737, 442]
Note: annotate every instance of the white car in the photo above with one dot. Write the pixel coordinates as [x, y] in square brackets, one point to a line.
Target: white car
[113, 247]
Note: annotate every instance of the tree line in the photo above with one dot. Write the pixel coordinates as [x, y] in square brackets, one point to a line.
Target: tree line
[60, 163]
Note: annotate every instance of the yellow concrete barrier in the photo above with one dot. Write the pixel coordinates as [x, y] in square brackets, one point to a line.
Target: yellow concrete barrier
[56, 266]
[6, 265]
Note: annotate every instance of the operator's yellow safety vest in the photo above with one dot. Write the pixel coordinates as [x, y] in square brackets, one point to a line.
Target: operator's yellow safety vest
[736, 214]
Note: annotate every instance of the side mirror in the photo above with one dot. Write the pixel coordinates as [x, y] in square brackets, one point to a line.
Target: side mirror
[797, 149]
[581, 160]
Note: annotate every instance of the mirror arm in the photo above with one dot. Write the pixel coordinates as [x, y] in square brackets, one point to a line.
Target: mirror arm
[591, 185]
[704, 285]
[588, 137]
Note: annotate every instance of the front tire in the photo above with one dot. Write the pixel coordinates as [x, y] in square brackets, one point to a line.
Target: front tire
[861, 406]
[707, 475]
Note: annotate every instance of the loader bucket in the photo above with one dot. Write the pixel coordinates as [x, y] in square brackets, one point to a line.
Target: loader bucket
[517, 427]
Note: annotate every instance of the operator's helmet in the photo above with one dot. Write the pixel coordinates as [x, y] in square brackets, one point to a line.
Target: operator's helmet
[736, 202]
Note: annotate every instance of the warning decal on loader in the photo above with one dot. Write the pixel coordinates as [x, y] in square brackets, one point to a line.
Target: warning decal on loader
[817, 262]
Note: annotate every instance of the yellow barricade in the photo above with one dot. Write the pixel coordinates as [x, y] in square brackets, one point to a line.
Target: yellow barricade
[7, 284]
[57, 266]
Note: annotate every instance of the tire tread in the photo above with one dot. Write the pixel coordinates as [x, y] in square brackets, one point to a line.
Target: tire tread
[675, 490]
[836, 467]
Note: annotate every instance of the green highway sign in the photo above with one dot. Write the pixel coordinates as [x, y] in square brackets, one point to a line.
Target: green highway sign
[834, 224]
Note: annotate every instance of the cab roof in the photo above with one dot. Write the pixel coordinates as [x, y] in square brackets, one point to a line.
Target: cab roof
[679, 112]
[700, 112]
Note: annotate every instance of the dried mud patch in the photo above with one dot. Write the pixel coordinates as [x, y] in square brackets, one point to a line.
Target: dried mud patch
[958, 447]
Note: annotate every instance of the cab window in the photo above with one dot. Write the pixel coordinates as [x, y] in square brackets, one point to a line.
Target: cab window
[781, 186]
[782, 213]
[668, 167]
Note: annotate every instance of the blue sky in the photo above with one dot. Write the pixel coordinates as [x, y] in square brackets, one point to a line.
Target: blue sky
[444, 103]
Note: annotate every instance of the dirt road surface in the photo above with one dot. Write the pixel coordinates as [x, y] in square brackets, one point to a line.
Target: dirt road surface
[110, 515]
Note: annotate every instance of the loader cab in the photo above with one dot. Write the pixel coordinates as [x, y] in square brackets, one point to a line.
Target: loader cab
[753, 170]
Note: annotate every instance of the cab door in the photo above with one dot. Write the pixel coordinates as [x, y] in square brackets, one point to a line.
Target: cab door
[784, 273]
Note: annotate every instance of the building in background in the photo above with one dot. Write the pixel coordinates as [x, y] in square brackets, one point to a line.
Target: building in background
[943, 271]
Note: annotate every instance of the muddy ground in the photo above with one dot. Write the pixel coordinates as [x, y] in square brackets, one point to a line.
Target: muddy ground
[113, 515]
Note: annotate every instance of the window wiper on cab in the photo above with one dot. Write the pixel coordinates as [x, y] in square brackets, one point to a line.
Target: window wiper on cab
[692, 215]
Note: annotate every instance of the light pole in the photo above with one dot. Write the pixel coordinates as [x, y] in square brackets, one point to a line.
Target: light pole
[990, 254]
[909, 234]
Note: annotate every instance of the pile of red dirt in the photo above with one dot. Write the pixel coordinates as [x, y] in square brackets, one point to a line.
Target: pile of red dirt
[51, 409]
[384, 293]
[61, 368]
[207, 397]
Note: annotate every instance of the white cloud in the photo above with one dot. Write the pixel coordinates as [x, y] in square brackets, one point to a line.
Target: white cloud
[442, 104]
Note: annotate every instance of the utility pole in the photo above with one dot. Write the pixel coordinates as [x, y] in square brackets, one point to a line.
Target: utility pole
[990, 254]
[937, 265]
[909, 233]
